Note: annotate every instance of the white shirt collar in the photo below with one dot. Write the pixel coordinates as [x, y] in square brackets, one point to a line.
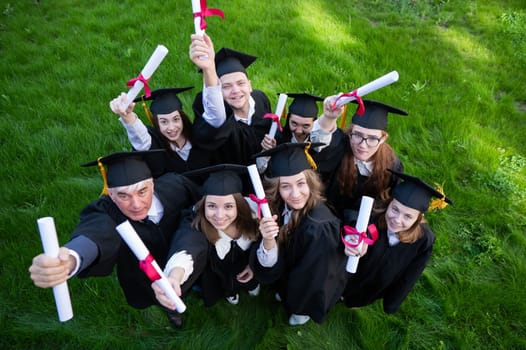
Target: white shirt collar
[224, 243]
[155, 214]
[365, 168]
[183, 152]
[393, 238]
[286, 214]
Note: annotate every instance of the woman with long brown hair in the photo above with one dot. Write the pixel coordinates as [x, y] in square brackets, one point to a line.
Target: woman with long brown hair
[306, 259]
[390, 267]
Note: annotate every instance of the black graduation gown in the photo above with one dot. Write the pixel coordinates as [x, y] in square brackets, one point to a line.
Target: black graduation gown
[347, 207]
[388, 273]
[233, 142]
[310, 268]
[99, 219]
[218, 276]
[170, 161]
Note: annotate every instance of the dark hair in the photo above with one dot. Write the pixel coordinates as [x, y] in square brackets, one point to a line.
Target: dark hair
[277, 204]
[378, 183]
[244, 223]
[187, 129]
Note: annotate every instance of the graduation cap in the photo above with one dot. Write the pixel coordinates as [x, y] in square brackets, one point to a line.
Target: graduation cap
[416, 194]
[289, 158]
[375, 116]
[230, 61]
[223, 179]
[124, 168]
[164, 101]
[304, 105]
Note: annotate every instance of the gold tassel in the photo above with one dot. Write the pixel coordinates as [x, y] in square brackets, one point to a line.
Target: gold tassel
[104, 177]
[438, 203]
[343, 119]
[283, 117]
[147, 111]
[309, 157]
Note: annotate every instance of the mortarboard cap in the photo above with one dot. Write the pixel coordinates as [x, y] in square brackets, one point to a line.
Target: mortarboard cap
[304, 105]
[375, 115]
[164, 101]
[415, 193]
[223, 179]
[230, 61]
[289, 158]
[124, 168]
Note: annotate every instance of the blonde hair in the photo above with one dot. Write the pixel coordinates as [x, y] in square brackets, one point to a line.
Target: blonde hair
[412, 234]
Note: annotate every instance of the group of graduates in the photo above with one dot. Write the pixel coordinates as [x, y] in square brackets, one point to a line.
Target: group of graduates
[185, 189]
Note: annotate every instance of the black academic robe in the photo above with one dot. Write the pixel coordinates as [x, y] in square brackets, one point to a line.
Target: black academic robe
[388, 273]
[218, 276]
[170, 161]
[99, 219]
[310, 270]
[347, 206]
[233, 142]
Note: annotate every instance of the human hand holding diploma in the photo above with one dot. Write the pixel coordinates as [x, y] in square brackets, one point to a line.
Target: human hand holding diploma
[48, 235]
[259, 198]
[141, 81]
[357, 94]
[148, 264]
[355, 237]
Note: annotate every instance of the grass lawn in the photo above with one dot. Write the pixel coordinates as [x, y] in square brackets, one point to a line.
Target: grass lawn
[462, 67]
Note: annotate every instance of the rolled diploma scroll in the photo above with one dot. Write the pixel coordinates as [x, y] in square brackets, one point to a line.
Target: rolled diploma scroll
[153, 63]
[196, 8]
[258, 188]
[279, 110]
[366, 205]
[48, 234]
[374, 85]
[135, 243]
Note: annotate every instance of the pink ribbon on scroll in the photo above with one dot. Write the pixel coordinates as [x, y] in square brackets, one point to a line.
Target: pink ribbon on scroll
[362, 236]
[206, 12]
[148, 268]
[142, 79]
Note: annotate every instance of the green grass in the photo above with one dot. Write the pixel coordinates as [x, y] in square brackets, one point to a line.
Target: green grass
[462, 73]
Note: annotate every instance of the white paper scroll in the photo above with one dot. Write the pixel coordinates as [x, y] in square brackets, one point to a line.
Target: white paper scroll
[151, 66]
[366, 205]
[258, 188]
[135, 243]
[48, 235]
[279, 111]
[196, 8]
[374, 85]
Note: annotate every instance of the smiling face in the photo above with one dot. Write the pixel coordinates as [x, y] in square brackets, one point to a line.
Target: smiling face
[171, 126]
[236, 89]
[400, 217]
[294, 190]
[134, 201]
[300, 127]
[221, 212]
[361, 150]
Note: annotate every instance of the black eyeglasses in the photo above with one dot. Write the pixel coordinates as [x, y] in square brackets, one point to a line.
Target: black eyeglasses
[371, 141]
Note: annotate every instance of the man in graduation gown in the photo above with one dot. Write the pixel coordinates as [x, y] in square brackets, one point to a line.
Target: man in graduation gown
[228, 112]
[95, 248]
